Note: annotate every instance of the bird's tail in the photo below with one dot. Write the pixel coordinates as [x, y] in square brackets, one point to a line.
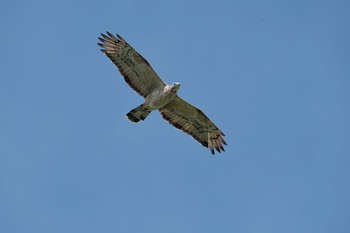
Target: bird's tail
[139, 113]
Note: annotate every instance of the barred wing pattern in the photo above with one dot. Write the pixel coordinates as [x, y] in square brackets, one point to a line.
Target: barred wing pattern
[194, 122]
[135, 69]
[140, 76]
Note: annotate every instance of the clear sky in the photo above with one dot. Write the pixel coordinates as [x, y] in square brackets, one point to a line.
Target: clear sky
[274, 76]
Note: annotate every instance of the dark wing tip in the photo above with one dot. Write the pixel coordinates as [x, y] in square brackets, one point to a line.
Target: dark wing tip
[109, 34]
[223, 142]
[217, 141]
[104, 36]
[222, 148]
[217, 148]
[120, 38]
[112, 36]
[102, 40]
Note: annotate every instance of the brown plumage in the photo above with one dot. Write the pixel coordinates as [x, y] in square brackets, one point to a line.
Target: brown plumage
[194, 122]
[140, 76]
[131, 65]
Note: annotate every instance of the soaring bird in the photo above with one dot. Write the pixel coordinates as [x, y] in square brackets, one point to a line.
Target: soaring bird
[140, 76]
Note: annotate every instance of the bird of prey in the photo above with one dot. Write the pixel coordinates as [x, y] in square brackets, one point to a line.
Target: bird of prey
[140, 76]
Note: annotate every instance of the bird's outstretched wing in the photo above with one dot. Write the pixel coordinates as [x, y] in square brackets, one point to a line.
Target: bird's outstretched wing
[136, 71]
[193, 121]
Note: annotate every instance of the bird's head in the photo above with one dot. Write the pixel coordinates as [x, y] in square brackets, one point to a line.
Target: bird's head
[175, 87]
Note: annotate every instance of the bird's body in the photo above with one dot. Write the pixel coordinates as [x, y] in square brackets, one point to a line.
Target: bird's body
[155, 100]
[158, 95]
[161, 96]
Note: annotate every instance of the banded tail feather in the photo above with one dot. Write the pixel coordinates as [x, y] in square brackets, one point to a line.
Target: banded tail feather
[139, 113]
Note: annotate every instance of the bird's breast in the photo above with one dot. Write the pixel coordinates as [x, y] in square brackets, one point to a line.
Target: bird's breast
[158, 99]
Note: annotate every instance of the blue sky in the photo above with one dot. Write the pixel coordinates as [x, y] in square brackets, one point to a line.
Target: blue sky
[273, 75]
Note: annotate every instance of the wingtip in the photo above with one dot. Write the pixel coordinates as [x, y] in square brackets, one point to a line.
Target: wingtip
[104, 36]
[120, 38]
[101, 39]
[218, 149]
